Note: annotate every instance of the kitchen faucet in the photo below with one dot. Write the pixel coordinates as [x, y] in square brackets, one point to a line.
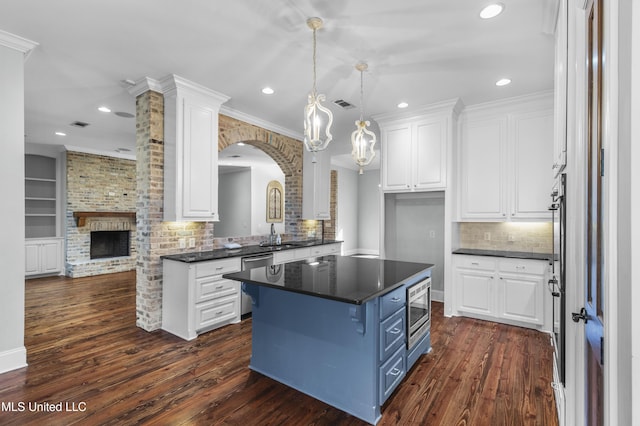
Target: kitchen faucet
[272, 235]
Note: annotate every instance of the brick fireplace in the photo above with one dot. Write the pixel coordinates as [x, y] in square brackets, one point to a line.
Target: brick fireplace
[101, 196]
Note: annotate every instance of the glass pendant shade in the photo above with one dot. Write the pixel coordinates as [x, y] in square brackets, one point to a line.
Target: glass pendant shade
[317, 124]
[317, 118]
[362, 139]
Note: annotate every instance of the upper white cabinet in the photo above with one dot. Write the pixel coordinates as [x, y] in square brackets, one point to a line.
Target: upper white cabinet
[316, 185]
[414, 147]
[560, 89]
[505, 155]
[190, 150]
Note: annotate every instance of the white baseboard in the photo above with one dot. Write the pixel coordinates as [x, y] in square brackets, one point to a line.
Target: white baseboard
[13, 359]
[361, 251]
[437, 295]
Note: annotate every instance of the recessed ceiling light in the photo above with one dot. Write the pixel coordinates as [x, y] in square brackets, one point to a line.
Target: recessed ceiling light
[503, 82]
[268, 91]
[104, 109]
[491, 11]
[403, 105]
[61, 134]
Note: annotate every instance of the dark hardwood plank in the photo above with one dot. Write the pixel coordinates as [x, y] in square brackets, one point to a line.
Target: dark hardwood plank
[83, 347]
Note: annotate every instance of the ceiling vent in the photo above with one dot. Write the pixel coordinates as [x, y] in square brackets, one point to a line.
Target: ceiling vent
[343, 104]
[80, 124]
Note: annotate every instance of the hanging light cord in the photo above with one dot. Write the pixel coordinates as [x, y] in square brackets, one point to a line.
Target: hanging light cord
[361, 97]
[314, 61]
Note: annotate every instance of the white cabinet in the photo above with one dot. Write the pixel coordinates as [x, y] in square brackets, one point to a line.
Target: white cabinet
[190, 150]
[195, 297]
[43, 256]
[316, 185]
[506, 290]
[414, 150]
[560, 89]
[306, 252]
[506, 152]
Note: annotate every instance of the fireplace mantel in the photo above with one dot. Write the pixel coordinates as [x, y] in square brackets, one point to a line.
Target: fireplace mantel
[81, 217]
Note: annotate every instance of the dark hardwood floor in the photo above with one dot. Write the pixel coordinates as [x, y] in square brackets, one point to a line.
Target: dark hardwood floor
[86, 354]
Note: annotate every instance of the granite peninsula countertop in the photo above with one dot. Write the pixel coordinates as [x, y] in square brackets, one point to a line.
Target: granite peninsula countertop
[342, 278]
[504, 253]
[223, 253]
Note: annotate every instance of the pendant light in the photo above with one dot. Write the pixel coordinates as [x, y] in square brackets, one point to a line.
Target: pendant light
[317, 118]
[362, 139]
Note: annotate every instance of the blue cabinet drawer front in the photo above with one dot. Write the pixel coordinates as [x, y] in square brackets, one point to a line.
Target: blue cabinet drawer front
[392, 334]
[391, 373]
[391, 302]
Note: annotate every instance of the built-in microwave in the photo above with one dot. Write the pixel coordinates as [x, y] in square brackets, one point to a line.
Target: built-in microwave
[418, 311]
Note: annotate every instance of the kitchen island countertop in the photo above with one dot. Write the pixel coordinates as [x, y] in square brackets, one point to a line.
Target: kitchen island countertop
[341, 278]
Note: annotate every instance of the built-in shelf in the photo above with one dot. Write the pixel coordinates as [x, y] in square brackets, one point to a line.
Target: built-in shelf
[81, 217]
[40, 202]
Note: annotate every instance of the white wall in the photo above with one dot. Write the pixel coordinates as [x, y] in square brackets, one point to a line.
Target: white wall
[347, 223]
[12, 351]
[234, 204]
[369, 211]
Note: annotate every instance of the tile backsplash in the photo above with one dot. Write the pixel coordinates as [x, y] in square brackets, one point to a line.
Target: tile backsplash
[535, 237]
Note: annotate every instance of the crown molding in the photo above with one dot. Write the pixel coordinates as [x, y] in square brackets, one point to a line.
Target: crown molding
[239, 115]
[173, 82]
[18, 43]
[451, 106]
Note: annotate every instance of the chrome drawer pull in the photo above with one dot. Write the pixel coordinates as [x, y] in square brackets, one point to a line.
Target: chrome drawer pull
[219, 287]
[395, 372]
[395, 299]
[395, 331]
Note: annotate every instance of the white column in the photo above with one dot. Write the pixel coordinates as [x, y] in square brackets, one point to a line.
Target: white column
[13, 53]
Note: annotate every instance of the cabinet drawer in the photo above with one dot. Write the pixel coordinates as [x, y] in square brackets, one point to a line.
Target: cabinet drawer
[284, 256]
[391, 302]
[217, 267]
[391, 374]
[325, 250]
[302, 253]
[392, 333]
[211, 288]
[522, 266]
[217, 311]
[477, 262]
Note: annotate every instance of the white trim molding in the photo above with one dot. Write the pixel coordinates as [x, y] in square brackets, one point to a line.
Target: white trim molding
[18, 43]
[13, 359]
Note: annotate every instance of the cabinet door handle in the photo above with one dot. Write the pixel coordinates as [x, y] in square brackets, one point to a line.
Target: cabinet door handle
[395, 330]
[395, 372]
[219, 313]
[475, 263]
[219, 287]
[395, 299]
[218, 268]
[520, 267]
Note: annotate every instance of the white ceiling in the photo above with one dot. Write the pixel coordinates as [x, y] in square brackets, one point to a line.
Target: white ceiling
[418, 51]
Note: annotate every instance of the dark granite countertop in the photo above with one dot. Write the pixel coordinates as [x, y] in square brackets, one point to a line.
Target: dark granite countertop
[201, 256]
[342, 278]
[503, 253]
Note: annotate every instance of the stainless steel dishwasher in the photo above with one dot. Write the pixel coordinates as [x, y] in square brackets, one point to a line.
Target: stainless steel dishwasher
[248, 263]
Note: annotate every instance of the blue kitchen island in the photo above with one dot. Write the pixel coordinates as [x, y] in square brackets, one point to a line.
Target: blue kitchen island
[336, 327]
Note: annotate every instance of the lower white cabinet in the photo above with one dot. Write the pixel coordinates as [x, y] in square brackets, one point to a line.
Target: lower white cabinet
[43, 256]
[506, 290]
[195, 297]
[306, 252]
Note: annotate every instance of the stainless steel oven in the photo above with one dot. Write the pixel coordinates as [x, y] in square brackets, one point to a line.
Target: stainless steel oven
[557, 282]
[418, 311]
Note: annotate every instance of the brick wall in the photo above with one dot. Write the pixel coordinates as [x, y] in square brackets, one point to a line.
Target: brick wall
[156, 238]
[98, 183]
